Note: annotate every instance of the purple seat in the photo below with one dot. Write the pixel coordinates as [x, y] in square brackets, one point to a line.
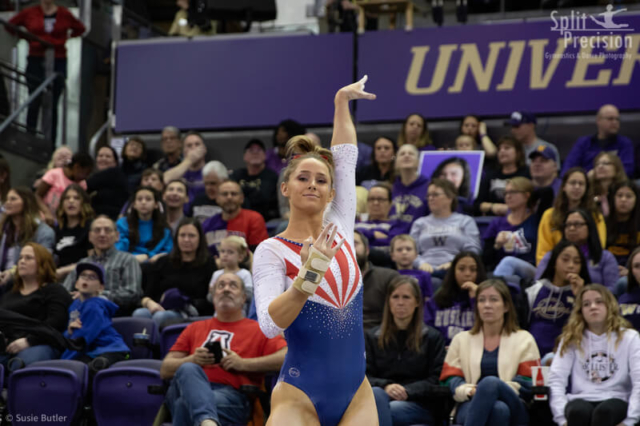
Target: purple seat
[129, 326]
[121, 393]
[168, 337]
[48, 392]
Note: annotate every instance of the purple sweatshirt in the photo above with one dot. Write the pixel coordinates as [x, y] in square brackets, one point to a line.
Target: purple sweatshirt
[523, 240]
[549, 310]
[605, 272]
[408, 204]
[586, 149]
[274, 162]
[630, 307]
[452, 320]
[424, 281]
[368, 229]
[195, 185]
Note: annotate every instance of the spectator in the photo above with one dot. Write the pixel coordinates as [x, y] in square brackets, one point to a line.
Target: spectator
[153, 178]
[90, 320]
[35, 295]
[108, 187]
[607, 171]
[580, 229]
[74, 218]
[511, 162]
[134, 161]
[473, 127]
[381, 169]
[623, 222]
[204, 389]
[444, 233]
[376, 227]
[409, 192]
[607, 139]
[276, 157]
[523, 129]
[404, 358]
[171, 142]
[233, 220]
[451, 310]
[175, 198]
[55, 181]
[375, 281]
[257, 182]
[176, 285]
[60, 158]
[191, 167]
[234, 258]
[630, 299]
[144, 231]
[544, 169]
[182, 27]
[404, 252]
[550, 299]
[456, 170]
[204, 205]
[510, 241]
[54, 24]
[19, 225]
[465, 143]
[574, 194]
[415, 131]
[488, 368]
[123, 277]
[601, 356]
[5, 181]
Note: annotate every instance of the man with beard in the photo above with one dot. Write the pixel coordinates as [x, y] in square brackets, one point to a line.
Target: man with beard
[375, 281]
[204, 388]
[234, 220]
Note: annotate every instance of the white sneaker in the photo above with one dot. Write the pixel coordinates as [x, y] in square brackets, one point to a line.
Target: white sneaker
[208, 422]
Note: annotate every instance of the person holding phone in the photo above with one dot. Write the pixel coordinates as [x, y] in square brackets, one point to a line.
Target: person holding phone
[213, 358]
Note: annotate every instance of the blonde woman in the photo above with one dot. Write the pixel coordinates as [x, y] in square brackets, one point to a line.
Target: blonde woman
[601, 355]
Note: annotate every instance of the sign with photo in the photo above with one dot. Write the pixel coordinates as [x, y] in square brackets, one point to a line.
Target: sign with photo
[463, 168]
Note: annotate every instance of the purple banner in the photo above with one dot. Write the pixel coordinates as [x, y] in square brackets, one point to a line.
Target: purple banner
[223, 82]
[569, 63]
[465, 170]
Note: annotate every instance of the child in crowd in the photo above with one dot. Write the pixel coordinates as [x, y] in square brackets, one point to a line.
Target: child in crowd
[601, 355]
[55, 181]
[234, 255]
[134, 156]
[465, 143]
[150, 177]
[403, 253]
[451, 309]
[144, 232]
[551, 299]
[90, 319]
[630, 300]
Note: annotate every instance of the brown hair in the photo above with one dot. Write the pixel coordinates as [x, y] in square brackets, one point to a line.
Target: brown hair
[449, 190]
[510, 316]
[517, 145]
[388, 328]
[300, 148]
[86, 211]
[402, 237]
[524, 185]
[30, 217]
[561, 203]
[425, 137]
[46, 267]
[619, 176]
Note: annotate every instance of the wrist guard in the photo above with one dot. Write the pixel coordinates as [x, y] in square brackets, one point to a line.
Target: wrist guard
[312, 272]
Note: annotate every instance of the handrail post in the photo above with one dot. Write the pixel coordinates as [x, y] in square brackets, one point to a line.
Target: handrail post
[47, 99]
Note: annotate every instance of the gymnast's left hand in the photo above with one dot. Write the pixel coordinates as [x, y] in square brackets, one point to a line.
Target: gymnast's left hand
[232, 361]
[355, 91]
[323, 243]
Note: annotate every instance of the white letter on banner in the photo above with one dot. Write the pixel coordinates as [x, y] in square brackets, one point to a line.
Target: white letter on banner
[415, 70]
[471, 60]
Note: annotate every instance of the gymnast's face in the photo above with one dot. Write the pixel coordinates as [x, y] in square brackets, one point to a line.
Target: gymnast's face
[309, 187]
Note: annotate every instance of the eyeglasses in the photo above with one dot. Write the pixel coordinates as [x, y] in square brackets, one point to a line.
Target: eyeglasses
[88, 277]
[512, 192]
[377, 200]
[603, 163]
[576, 183]
[576, 225]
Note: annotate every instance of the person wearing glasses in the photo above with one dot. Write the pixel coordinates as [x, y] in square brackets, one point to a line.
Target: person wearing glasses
[579, 229]
[123, 277]
[171, 143]
[376, 226]
[607, 170]
[443, 233]
[574, 193]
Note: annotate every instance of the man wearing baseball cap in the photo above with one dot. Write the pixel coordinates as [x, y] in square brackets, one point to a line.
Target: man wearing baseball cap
[90, 319]
[523, 128]
[544, 168]
[258, 183]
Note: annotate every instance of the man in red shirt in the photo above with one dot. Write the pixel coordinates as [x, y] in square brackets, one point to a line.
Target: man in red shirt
[205, 392]
[234, 220]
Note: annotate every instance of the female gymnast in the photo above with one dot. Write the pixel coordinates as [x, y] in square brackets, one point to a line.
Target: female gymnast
[309, 285]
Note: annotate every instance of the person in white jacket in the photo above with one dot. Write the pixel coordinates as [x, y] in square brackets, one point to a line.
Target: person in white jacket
[601, 353]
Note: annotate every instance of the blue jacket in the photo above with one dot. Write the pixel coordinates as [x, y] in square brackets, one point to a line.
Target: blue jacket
[145, 233]
[100, 336]
[586, 149]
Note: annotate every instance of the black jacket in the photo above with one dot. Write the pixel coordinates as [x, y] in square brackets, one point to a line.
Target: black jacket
[418, 373]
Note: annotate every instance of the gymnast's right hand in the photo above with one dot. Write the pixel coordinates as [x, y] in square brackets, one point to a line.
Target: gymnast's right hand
[323, 243]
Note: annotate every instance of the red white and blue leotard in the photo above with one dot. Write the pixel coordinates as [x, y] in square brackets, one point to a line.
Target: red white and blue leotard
[326, 354]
